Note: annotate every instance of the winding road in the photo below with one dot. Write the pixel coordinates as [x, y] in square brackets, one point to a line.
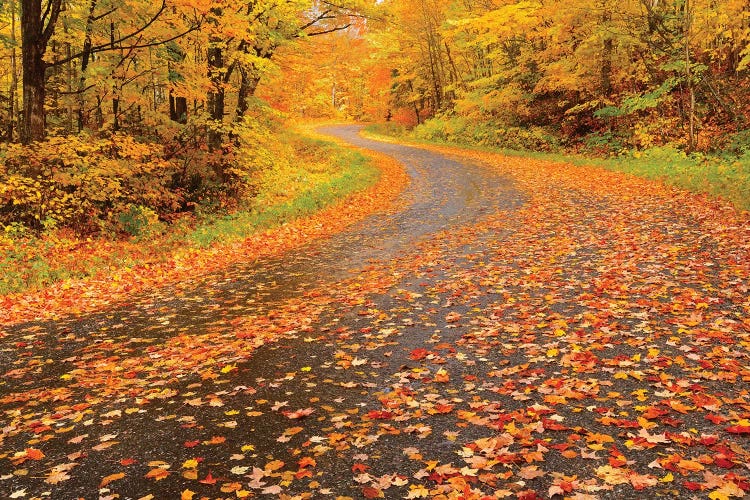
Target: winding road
[444, 193]
[450, 347]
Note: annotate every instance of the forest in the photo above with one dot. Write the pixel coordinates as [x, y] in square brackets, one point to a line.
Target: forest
[125, 118]
[374, 249]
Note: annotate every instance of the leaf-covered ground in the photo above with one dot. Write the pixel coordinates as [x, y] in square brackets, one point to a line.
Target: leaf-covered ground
[590, 342]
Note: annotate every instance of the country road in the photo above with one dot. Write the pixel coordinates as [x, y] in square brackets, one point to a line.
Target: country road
[506, 332]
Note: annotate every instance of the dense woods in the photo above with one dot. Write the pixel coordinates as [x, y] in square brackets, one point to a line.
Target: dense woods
[537, 287]
[114, 112]
[596, 74]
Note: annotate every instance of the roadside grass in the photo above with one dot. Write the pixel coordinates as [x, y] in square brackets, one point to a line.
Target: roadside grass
[720, 176]
[326, 173]
[315, 174]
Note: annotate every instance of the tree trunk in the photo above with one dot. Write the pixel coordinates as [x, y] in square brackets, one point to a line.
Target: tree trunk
[13, 98]
[85, 58]
[69, 75]
[32, 59]
[115, 87]
[178, 108]
[33, 125]
[607, 49]
[414, 105]
[692, 139]
[248, 84]
[215, 96]
[34, 38]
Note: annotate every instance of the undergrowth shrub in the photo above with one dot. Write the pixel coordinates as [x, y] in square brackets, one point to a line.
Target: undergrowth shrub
[739, 143]
[139, 221]
[461, 130]
[392, 129]
[82, 182]
[602, 144]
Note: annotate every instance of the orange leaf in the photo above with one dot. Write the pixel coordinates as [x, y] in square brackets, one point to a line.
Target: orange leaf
[690, 465]
[110, 478]
[442, 376]
[273, 466]
[209, 479]
[157, 474]
[34, 454]
[215, 440]
[370, 492]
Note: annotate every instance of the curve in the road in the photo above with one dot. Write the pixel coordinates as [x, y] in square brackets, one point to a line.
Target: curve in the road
[444, 194]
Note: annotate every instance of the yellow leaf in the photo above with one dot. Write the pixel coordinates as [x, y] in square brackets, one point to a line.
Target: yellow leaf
[667, 479]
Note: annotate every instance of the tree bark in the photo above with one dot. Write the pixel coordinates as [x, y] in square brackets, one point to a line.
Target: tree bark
[215, 96]
[115, 89]
[248, 84]
[13, 100]
[688, 19]
[178, 108]
[34, 38]
[607, 50]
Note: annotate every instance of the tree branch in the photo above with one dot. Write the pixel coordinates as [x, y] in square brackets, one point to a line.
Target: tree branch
[53, 11]
[102, 16]
[325, 32]
[319, 18]
[108, 46]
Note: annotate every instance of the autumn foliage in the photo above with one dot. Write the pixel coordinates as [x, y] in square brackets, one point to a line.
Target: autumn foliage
[87, 184]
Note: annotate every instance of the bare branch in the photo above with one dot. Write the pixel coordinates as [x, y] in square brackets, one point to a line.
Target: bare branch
[325, 32]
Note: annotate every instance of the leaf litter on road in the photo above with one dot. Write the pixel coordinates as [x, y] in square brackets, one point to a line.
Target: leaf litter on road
[592, 343]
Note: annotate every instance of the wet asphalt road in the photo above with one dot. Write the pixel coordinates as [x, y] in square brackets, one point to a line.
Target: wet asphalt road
[121, 401]
[590, 341]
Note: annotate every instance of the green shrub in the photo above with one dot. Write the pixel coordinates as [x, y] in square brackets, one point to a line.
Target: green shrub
[390, 129]
[462, 130]
[139, 221]
[602, 143]
[739, 143]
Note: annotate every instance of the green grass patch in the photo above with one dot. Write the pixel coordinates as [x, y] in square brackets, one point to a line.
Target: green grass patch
[308, 187]
[722, 176]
